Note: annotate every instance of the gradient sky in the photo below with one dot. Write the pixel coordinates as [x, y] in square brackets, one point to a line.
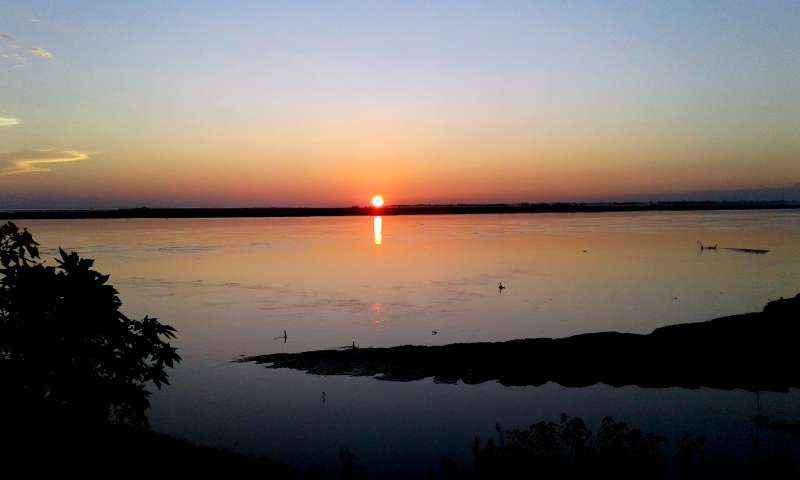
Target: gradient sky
[172, 103]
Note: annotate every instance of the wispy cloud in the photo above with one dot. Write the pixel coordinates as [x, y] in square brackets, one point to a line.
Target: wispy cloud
[8, 121]
[37, 161]
[9, 49]
[41, 52]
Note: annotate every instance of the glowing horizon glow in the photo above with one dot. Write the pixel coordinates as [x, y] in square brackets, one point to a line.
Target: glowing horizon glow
[377, 201]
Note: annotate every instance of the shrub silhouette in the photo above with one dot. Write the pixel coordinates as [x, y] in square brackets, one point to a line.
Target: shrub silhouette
[66, 349]
[568, 449]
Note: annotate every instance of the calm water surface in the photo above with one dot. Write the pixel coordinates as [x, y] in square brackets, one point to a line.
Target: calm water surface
[232, 286]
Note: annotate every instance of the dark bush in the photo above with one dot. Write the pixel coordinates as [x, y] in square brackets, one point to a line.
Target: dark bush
[568, 449]
[66, 349]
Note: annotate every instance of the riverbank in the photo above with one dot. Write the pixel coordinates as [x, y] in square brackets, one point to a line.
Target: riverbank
[102, 451]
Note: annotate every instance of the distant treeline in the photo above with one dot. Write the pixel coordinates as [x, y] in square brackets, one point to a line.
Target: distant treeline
[145, 212]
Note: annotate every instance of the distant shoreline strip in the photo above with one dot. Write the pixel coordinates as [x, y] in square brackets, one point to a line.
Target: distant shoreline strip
[465, 209]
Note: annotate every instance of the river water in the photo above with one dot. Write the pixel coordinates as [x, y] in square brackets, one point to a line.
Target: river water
[233, 286]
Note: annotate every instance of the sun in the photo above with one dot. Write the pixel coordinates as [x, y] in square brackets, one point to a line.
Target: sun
[377, 201]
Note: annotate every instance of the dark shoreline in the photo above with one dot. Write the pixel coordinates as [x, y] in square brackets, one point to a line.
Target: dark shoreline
[753, 351]
[60, 446]
[144, 212]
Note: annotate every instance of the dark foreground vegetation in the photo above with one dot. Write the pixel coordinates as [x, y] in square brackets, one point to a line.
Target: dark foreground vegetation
[144, 212]
[570, 449]
[753, 351]
[66, 349]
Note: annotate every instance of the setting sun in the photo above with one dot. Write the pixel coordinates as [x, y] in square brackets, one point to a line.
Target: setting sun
[377, 201]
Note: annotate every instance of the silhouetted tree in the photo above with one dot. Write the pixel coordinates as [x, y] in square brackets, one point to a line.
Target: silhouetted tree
[66, 349]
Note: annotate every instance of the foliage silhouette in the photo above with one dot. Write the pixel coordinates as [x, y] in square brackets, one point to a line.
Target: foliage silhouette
[569, 449]
[66, 349]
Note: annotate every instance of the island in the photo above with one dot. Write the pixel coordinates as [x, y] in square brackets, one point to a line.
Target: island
[752, 351]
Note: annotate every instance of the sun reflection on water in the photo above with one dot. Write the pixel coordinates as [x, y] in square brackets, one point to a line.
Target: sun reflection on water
[377, 226]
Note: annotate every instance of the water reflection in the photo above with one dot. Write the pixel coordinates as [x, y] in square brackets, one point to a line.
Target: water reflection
[377, 226]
